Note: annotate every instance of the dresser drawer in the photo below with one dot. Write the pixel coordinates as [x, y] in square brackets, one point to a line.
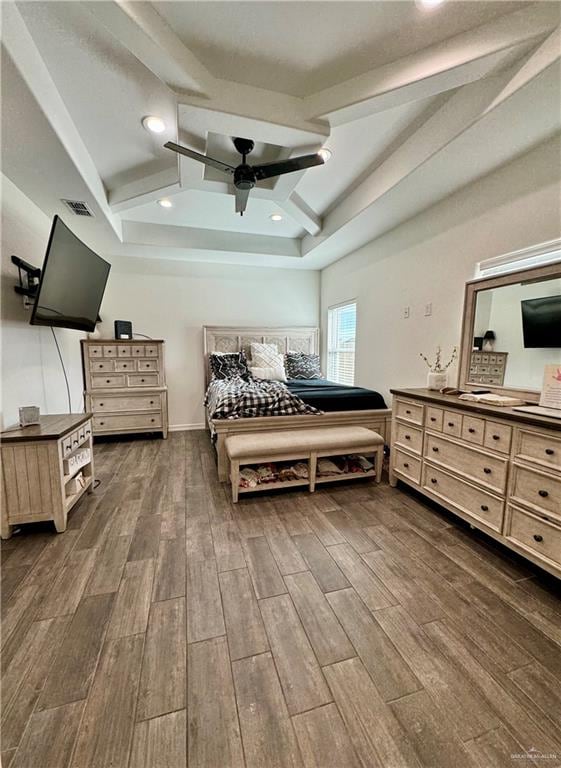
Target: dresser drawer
[408, 465]
[109, 350]
[95, 351]
[107, 382]
[498, 436]
[138, 350]
[452, 423]
[409, 437]
[540, 448]
[125, 365]
[147, 365]
[127, 421]
[539, 536]
[474, 502]
[536, 489]
[119, 403]
[434, 418]
[474, 464]
[102, 366]
[143, 380]
[473, 430]
[409, 411]
[124, 350]
[150, 351]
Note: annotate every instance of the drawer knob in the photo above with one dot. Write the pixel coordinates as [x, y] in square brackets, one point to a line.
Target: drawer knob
[543, 494]
[142, 380]
[450, 423]
[471, 430]
[151, 402]
[484, 508]
[406, 464]
[101, 423]
[435, 449]
[433, 418]
[152, 420]
[88, 432]
[496, 437]
[101, 365]
[75, 442]
[487, 470]
[549, 451]
[124, 365]
[408, 413]
[538, 537]
[434, 480]
[108, 381]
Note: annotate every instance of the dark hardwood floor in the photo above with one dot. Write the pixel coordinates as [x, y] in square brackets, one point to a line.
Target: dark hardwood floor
[353, 627]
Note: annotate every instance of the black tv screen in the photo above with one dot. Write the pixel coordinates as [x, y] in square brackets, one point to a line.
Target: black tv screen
[72, 284]
[541, 322]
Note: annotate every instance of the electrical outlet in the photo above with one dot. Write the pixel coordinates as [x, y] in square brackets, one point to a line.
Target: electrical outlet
[406, 312]
[428, 310]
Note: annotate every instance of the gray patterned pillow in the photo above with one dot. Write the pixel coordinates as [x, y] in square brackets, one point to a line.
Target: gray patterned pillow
[229, 365]
[300, 365]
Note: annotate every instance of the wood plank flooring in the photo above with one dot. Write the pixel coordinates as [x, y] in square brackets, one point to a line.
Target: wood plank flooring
[357, 627]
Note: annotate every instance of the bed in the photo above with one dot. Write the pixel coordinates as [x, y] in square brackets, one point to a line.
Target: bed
[341, 406]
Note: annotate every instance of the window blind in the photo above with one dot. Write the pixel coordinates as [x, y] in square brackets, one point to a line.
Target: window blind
[341, 336]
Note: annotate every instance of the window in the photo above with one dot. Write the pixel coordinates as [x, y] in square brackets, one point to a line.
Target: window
[341, 335]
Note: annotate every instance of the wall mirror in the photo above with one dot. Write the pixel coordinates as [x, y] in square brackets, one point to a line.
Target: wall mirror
[511, 330]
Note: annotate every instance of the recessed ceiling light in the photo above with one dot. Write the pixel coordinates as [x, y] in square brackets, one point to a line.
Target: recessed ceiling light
[165, 203]
[154, 124]
[429, 4]
[276, 217]
[325, 154]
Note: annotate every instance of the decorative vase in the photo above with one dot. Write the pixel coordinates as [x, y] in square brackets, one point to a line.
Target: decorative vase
[437, 380]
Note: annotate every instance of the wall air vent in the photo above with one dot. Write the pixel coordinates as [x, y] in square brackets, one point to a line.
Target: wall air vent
[77, 207]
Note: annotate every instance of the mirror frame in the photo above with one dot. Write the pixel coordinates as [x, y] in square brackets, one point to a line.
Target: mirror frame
[473, 287]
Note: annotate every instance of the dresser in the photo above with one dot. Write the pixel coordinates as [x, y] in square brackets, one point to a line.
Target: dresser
[46, 468]
[487, 367]
[497, 468]
[125, 386]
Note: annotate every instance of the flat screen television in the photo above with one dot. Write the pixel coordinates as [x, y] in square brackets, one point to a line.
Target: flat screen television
[72, 284]
[541, 322]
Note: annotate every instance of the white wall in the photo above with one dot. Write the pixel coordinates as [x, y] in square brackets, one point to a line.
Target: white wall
[428, 260]
[31, 371]
[172, 300]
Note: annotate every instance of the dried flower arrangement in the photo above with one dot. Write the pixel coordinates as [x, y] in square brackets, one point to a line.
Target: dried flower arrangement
[437, 366]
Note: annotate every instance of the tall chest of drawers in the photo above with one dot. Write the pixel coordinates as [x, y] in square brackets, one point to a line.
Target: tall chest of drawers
[497, 468]
[125, 386]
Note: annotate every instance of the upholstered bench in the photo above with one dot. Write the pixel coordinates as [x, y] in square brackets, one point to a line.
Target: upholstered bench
[306, 445]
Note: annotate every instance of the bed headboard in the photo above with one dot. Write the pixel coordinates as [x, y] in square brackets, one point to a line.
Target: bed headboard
[296, 338]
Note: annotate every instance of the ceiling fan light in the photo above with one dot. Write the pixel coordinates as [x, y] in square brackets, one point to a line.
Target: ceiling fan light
[276, 217]
[325, 154]
[165, 202]
[153, 124]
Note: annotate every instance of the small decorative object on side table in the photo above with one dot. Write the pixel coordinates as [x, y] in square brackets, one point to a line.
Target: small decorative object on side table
[45, 470]
[437, 377]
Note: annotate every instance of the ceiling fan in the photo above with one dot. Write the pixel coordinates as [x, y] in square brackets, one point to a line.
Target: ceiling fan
[245, 176]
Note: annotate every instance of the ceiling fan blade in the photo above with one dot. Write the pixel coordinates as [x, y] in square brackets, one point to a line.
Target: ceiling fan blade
[201, 158]
[241, 200]
[279, 168]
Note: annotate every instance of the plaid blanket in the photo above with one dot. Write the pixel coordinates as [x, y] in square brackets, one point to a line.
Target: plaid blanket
[236, 399]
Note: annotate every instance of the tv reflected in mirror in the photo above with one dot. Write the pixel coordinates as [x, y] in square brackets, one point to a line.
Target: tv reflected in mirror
[541, 322]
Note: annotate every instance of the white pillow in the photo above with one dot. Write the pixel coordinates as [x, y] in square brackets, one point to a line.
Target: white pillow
[270, 373]
[266, 356]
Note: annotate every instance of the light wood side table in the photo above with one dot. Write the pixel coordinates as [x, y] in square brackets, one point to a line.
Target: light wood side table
[40, 469]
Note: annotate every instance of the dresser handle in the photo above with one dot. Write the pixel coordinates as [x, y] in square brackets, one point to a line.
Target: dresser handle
[108, 381]
[471, 430]
[484, 508]
[549, 451]
[101, 423]
[538, 537]
[101, 365]
[406, 464]
[152, 420]
[88, 432]
[142, 380]
[433, 418]
[496, 437]
[408, 437]
[434, 480]
[543, 494]
[408, 413]
[450, 423]
[487, 470]
[76, 442]
[435, 449]
[151, 402]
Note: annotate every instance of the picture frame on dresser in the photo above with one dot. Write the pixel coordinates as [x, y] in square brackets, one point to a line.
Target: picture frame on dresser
[125, 386]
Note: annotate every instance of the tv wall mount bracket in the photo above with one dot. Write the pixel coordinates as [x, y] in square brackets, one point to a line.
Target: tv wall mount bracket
[29, 277]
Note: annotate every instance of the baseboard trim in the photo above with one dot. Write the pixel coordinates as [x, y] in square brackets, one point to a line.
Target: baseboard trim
[185, 427]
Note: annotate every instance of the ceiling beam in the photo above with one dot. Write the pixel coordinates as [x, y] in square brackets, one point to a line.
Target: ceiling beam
[455, 62]
[457, 115]
[301, 212]
[26, 57]
[140, 28]
[148, 189]
[191, 238]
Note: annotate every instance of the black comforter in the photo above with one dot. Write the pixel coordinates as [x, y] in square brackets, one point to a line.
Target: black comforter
[328, 396]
